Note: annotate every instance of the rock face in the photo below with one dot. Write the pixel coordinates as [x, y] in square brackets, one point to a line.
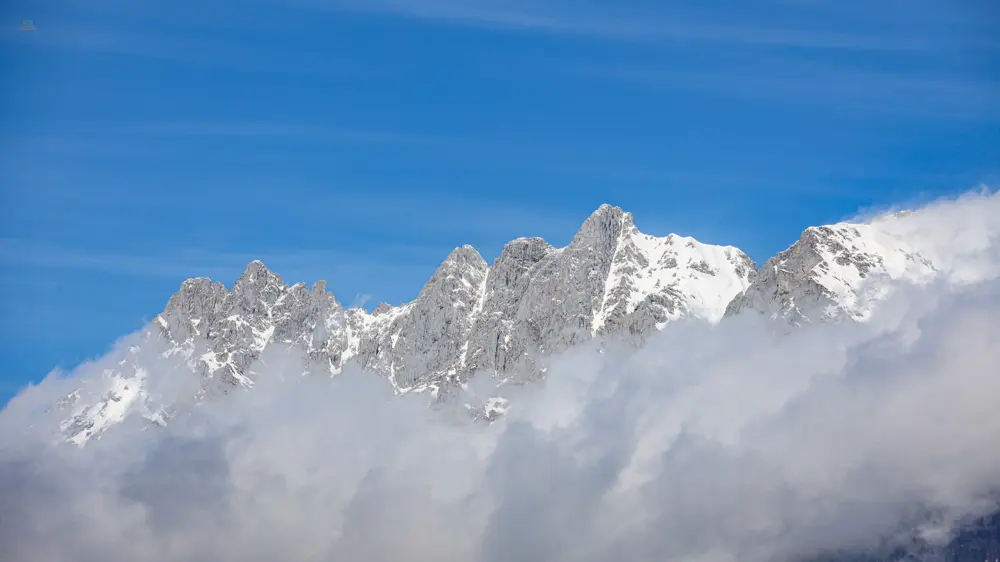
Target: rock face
[534, 300]
[842, 271]
[470, 317]
[826, 273]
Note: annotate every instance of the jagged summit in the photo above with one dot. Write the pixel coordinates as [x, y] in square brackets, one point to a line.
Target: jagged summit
[506, 318]
[842, 271]
[256, 270]
[607, 208]
[503, 318]
[602, 228]
[465, 255]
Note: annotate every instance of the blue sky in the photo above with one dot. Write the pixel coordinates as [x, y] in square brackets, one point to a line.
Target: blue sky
[359, 141]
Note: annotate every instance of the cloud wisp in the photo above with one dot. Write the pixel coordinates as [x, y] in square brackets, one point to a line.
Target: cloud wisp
[153, 44]
[844, 88]
[245, 129]
[830, 27]
[721, 443]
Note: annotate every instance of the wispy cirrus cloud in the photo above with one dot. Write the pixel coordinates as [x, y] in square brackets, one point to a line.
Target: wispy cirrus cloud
[882, 92]
[372, 239]
[223, 265]
[175, 47]
[814, 25]
[265, 129]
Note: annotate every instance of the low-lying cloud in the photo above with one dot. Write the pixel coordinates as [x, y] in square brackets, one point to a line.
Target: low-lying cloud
[732, 442]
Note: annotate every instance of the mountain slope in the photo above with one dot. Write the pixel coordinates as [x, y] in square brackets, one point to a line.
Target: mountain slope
[503, 318]
[535, 299]
[841, 271]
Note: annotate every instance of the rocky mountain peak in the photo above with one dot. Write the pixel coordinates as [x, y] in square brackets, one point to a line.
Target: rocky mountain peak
[255, 292]
[463, 270]
[516, 258]
[195, 305]
[608, 210]
[194, 296]
[465, 255]
[521, 247]
[257, 274]
[835, 272]
[534, 300]
[602, 229]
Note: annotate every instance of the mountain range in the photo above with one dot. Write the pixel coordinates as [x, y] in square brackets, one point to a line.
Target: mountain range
[508, 317]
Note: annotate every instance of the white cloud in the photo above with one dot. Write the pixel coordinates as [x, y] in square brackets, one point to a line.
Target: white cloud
[708, 444]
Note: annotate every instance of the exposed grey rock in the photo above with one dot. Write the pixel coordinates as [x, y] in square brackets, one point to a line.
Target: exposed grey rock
[534, 300]
[506, 319]
[314, 321]
[500, 341]
[470, 317]
[427, 341]
[831, 274]
[785, 285]
[198, 302]
[566, 291]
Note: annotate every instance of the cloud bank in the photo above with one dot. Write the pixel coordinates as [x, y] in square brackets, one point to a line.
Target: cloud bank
[724, 443]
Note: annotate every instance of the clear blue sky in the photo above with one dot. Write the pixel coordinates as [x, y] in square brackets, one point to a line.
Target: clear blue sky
[359, 141]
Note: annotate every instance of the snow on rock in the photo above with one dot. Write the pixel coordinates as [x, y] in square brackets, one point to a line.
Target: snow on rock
[507, 317]
[842, 271]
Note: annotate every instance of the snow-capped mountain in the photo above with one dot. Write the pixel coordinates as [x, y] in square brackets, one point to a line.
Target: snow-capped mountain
[534, 300]
[470, 317]
[842, 271]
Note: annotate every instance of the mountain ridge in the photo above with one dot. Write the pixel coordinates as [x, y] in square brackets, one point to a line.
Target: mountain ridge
[534, 300]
